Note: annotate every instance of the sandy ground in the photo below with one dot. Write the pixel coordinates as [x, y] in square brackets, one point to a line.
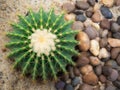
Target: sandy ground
[9, 78]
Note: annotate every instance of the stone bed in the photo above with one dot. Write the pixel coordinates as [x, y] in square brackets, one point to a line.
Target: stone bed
[100, 55]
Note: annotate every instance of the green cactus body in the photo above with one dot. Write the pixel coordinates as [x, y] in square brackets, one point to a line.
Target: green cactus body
[42, 44]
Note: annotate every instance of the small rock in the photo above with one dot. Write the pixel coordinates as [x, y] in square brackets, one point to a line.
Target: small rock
[112, 63]
[60, 85]
[80, 17]
[86, 69]
[64, 77]
[77, 25]
[118, 59]
[117, 84]
[102, 78]
[75, 81]
[82, 5]
[68, 7]
[71, 73]
[106, 12]
[77, 11]
[96, 7]
[94, 47]
[76, 71]
[98, 70]
[108, 3]
[69, 87]
[91, 2]
[116, 35]
[114, 42]
[91, 32]
[115, 27]
[94, 61]
[89, 14]
[83, 38]
[114, 75]
[107, 70]
[70, 17]
[96, 17]
[105, 24]
[117, 2]
[85, 87]
[115, 52]
[103, 42]
[90, 78]
[104, 33]
[110, 87]
[103, 53]
[118, 20]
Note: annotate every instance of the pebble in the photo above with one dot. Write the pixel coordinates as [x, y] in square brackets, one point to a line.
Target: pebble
[103, 42]
[83, 38]
[117, 2]
[69, 87]
[112, 63]
[82, 60]
[114, 75]
[85, 87]
[68, 7]
[117, 84]
[60, 85]
[98, 70]
[75, 81]
[81, 18]
[71, 73]
[103, 53]
[118, 59]
[90, 78]
[104, 33]
[115, 27]
[106, 12]
[94, 61]
[110, 87]
[115, 52]
[91, 2]
[96, 17]
[102, 78]
[96, 7]
[76, 71]
[82, 5]
[118, 20]
[77, 11]
[89, 14]
[114, 42]
[86, 69]
[91, 32]
[77, 25]
[105, 24]
[116, 35]
[94, 47]
[70, 17]
[106, 70]
[108, 3]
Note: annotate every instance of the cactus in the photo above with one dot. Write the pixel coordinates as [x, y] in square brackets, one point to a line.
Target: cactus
[42, 44]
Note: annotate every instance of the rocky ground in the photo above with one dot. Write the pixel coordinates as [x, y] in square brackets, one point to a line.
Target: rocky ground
[97, 68]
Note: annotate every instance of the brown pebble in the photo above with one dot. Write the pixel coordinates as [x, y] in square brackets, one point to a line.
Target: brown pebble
[117, 2]
[105, 24]
[70, 17]
[96, 17]
[115, 52]
[114, 42]
[103, 42]
[118, 59]
[89, 14]
[76, 71]
[86, 69]
[102, 78]
[85, 87]
[98, 70]
[94, 60]
[82, 5]
[77, 25]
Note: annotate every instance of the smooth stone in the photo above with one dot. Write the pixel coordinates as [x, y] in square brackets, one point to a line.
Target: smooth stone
[68, 7]
[89, 14]
[98, 70]
[108, 3]
[105, 24]
[94, 47]
[114, 42]
[85, 87]
[96, 17]
[102, 78]
[91, 32]
[118, 20]
[76, 71]
[90, 78]
[103, 42]
[117, 84]
[106, 70]
[83, 38]
[114, 75]
[60, 85]
[64, 77]
[106, 12]
[75, 81]
[91, 2]
[94, 61]
[86, 69]
[77, 11]
[69, 87]
[115, 52]
[116, 35]
[117, 2]
[104, 33]
[82, 60]
[118, 59]
[96, 7]
[103, 53]
[110, 88]
[112, 63]
[77, 25]
[82, 5]
[81, 18]
[71, 73]
[115, 27]
[70, 17]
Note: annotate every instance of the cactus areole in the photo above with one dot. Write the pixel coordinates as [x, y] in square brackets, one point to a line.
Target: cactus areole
[42, 44]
